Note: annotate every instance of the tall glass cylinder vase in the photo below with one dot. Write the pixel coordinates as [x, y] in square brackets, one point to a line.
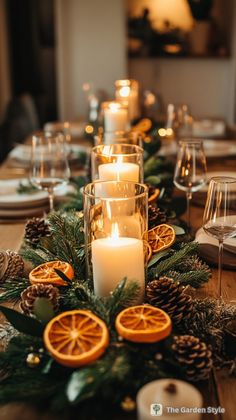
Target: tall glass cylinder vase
[114, 231]
[117, 162]
[128, 90]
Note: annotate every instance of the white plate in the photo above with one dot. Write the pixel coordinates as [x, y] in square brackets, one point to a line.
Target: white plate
[217, 173]
[219, 148]
[22, 152]
[10, 198]
[202, 238]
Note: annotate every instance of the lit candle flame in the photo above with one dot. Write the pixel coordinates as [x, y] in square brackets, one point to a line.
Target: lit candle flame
[125, 91]
[114, 107]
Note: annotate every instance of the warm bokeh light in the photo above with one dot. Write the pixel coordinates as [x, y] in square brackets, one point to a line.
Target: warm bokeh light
[176, 12]
[89, 129]
[124, 91]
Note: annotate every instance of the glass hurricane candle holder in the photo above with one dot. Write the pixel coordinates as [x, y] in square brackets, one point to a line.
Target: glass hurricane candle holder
[114, 231]
[117, 162]
[128, 90]
[119, 137]
[115, 116]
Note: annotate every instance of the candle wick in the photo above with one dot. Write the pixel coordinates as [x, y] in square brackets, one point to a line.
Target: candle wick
[171, 388]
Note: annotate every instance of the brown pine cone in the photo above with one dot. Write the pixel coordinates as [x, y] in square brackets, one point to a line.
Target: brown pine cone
[156, 216]
[3, 263]
[168, 295]
[36, 229]
[193, 355]
[15, 266]
[29, 295]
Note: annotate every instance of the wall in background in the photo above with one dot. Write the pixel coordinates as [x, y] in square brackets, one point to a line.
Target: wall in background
[5, 91]
[206, 85]
[90, 48]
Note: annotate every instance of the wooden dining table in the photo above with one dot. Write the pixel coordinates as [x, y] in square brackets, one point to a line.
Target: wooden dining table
[220, 390]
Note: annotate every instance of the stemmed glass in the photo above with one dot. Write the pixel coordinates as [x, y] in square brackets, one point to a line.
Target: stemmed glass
[190, 170]
[219, 219]
[49, 165]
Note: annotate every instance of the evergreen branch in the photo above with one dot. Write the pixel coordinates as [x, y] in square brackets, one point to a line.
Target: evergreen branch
[36, 257]
[169, 263]
[208, 321]
[194, 278]
[65, 243]
[26, 188]
[112, 367]
[124, 295]
[12, 289]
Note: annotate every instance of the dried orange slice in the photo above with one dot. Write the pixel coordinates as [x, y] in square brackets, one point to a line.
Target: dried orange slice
[76, 338]
[45, 273]
[144, 125]
[161, 237]
[143, 324]
[154, 196]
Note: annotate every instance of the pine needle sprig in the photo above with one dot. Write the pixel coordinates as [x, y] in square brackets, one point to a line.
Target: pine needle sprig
[113, 367]
[125, 294]
[194, 278]
[36, 257]
[12, 289]
[193, 262]
[169, 263]
[208, 321]
[80, 296]
[65, 243]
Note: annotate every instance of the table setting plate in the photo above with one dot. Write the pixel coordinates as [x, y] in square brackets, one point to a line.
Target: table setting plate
[11, 201]
[209, 248]
[22, 152]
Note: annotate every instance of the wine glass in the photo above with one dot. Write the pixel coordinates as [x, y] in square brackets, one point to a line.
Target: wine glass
[179, 121]
[49, 165]
[190, 170]
[219, 219]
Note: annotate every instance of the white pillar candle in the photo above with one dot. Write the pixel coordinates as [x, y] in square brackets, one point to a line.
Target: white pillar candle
[115, 117]
[183, 402]
[119, 171]
[128, 91]
[115, 258]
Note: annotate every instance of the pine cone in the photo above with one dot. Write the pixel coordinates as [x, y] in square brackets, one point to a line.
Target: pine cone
[29, 295]
[15, 265]
[168, 295]
[194, 355]
[35, 229]
[3, 263]
[156, 216]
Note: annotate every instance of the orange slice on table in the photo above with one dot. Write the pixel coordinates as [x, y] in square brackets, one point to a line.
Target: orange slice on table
[143, 324]
[154, 196]
[45, 273]
[76, 338]
[161, 237]
[144, 125]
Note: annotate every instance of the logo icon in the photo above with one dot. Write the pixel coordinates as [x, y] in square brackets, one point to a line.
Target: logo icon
[156, 410]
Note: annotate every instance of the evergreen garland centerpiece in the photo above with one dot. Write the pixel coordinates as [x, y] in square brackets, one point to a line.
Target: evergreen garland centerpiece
[76, 346]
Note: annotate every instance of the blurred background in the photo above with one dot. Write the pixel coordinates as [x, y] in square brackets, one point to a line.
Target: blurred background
[54, 52]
